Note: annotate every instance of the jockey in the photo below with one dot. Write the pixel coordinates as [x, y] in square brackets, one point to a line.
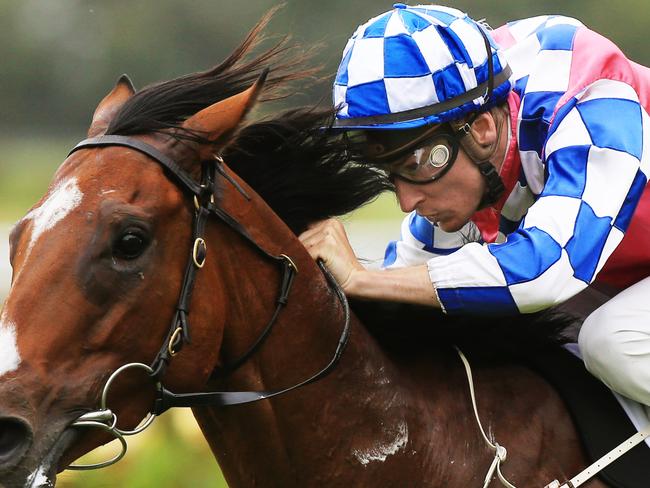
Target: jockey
[521, 156]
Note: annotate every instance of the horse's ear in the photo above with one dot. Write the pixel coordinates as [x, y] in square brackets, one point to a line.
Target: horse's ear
[109, 106]
[220, 119]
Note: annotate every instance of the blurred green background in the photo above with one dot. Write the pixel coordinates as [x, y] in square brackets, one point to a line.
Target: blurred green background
[58, 58]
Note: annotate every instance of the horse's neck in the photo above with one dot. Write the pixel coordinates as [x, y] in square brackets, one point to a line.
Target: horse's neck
[299, 438]
[359, 414]
[379, 419]
[343, 428]
[365, 412]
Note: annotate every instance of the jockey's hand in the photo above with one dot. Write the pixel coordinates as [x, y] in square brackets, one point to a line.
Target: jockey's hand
[328, 241]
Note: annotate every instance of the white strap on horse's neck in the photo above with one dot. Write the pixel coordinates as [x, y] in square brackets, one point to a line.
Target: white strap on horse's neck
[579, 479]
[604, 461]
[500, 452]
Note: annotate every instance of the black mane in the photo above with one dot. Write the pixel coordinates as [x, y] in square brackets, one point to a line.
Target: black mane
[297, 166]
[301, 170]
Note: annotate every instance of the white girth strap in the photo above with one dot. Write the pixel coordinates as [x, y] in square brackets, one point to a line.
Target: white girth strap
[604, 461]
[500, 452]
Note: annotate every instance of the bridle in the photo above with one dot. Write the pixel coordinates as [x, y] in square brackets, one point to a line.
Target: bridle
[179, 331]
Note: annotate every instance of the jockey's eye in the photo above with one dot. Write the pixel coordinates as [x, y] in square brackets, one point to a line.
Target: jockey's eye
[130, 244]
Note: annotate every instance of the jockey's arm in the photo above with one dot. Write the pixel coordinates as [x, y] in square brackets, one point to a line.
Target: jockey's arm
[328, 241]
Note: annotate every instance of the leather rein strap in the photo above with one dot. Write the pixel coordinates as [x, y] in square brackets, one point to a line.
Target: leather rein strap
[167, 399]
[179, 332]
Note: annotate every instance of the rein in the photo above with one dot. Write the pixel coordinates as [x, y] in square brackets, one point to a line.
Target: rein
[179, 331]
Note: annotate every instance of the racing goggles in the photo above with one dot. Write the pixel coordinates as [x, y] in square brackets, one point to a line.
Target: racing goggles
[417, 157]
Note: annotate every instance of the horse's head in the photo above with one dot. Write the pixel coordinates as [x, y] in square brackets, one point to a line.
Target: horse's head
[97, 270]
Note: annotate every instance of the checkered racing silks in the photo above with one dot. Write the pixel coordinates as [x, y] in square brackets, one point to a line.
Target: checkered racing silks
[575, 207]
[410, 58]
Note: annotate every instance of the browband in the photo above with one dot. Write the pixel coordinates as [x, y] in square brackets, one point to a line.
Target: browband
[177, 172]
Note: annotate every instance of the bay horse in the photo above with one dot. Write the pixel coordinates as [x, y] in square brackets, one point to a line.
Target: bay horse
[100, 262]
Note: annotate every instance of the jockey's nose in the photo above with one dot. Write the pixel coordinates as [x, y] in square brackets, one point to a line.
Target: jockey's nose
[408, 195]
[15, 438]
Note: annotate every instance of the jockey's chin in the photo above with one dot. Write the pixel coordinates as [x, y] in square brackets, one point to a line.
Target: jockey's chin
[451, 223]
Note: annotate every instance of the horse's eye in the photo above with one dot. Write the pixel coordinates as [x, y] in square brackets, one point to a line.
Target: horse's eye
[130, 245]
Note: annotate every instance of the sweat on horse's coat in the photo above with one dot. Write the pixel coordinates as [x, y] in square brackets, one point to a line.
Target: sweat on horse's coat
[381, 451]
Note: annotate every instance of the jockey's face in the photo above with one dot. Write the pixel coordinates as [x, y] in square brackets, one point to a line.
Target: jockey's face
[455, 196]
[450, 201]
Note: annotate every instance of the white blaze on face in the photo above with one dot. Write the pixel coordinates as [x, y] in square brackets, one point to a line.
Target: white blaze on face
[9, 355]
[65, 197]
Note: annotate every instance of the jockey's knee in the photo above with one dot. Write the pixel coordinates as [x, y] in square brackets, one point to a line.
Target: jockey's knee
[615, 347]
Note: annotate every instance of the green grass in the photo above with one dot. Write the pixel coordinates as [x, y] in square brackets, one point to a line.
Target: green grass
[170, 454]
[383, 208]
[26, 167]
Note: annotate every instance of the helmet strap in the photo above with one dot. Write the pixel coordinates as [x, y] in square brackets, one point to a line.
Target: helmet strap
[495, 186]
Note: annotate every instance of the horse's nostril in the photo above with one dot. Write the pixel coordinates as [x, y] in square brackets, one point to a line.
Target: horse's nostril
[15, 438]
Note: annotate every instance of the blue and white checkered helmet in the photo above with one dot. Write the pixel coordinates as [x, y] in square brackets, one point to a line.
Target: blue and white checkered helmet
[417, 65]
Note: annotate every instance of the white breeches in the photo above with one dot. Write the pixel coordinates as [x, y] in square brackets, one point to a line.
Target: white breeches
[615, 342]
